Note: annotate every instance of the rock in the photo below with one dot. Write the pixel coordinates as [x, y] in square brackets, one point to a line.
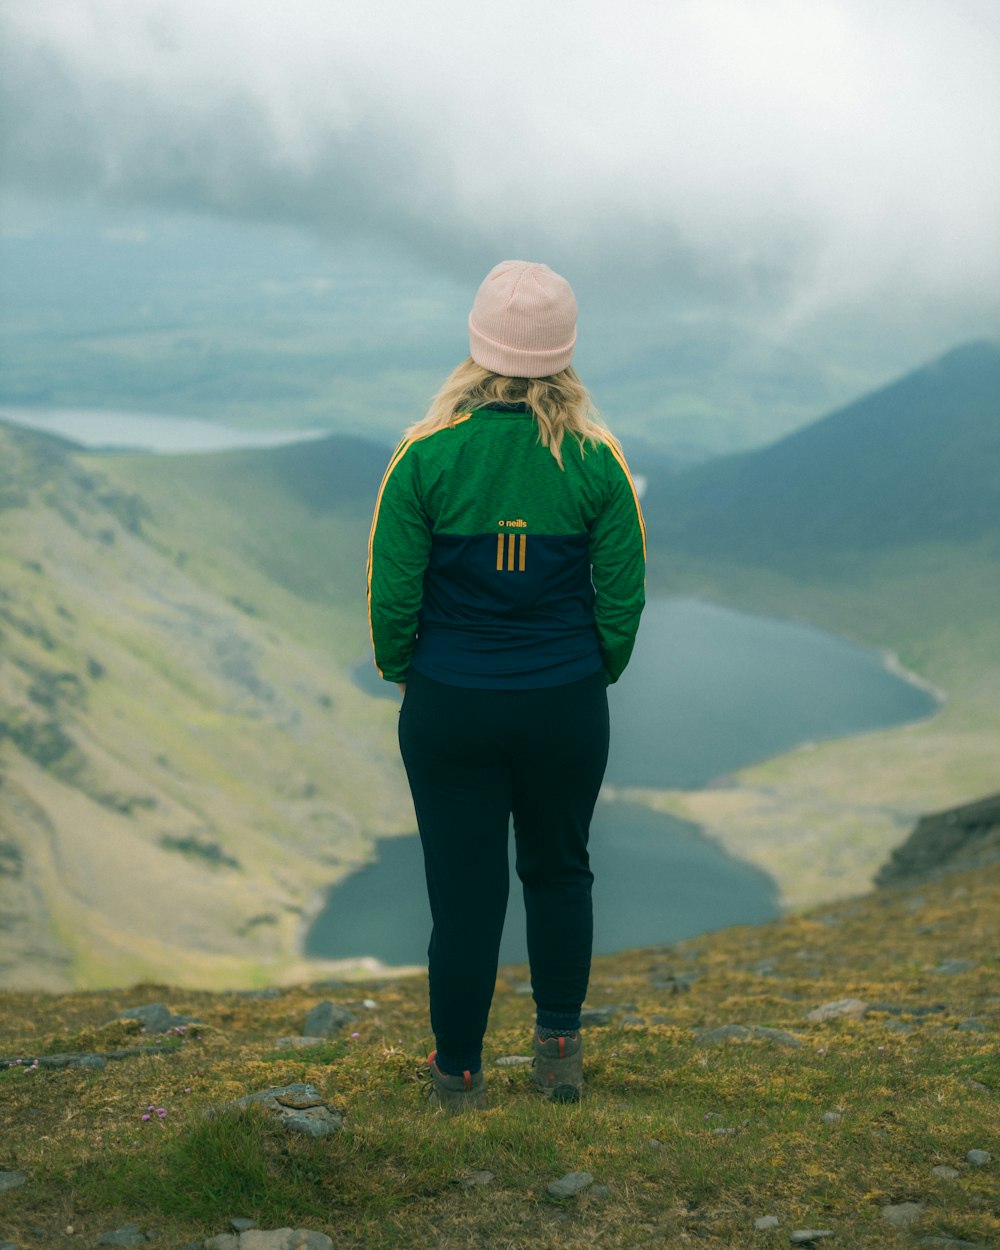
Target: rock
[960, 838]
[325, 1019]
[945, 1173]
[472, 1179]
[300, 1108]
[745, 1032]
[973, 1025]
[672, 983]
[298, 1043]
[514, 1061]
[127, 1235]
[723, 1132]
[600, 1191]
[898, 1026]
[241, 1224]
[224, 1241]
[155, 1017]
[636, 1022]
[654, 1143]
[951, 967]
[764, 1222]
[271, 991]
[849, 1007]
[273, 1239]
[569, 1185]
[596, 1017]
[8, 1245]
[902, 1214]
[804, 1236]
[979, 1158]
[12, 1180]
[949, 1243]
[832, 1117]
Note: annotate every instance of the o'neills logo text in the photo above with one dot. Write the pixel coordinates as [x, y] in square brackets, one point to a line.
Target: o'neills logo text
[519, 524]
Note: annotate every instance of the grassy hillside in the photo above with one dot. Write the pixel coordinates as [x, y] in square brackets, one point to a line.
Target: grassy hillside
[184, 761]
[689, 1137]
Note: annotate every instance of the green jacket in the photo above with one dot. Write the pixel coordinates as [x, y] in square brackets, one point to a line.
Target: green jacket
[490, 566]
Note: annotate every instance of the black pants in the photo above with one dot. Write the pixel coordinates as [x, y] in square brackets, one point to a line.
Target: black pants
[474, 757]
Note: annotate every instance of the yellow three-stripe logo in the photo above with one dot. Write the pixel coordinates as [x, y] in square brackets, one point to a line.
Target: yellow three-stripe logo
[515, 545]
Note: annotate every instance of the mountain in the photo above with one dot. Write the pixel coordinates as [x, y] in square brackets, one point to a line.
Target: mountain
[185, 761]
[915, 462]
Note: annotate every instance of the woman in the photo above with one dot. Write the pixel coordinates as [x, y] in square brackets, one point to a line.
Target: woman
[505, 582]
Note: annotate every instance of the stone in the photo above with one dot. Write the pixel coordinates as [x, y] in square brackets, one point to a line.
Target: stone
[472, 1179]
[945, 1173]
[804, 1236]
[898, 1026]
[746, 1033]
[298, 1043]
[832, 1117]
[155, 1017]
[764, 1222]
[951, 967]
[902, 1214]
[224, 1241]
[979, 1158]
[949, 1243]
[284, 1239]
[12, 1180]
[300, 1108]
[325, 1019]
[672, 983]
[852, 1008]
[127, 1235]
[8, 1245]
[596, 1017]
[271, 991]
[240, 1224]
[514, 1061]
[973, 1025]
[635, 1022]
[600, 1191]
[569, 1185]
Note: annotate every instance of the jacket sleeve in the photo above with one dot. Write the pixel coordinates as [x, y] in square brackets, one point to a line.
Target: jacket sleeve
[398, 550]
[618, 566]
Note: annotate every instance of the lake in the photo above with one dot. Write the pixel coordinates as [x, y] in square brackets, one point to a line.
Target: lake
[709, 690]
[99, 428]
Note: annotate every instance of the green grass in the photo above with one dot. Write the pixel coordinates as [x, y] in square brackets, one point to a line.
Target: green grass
[908, 1102]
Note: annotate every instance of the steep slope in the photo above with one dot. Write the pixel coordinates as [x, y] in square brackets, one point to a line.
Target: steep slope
[918, 461]
[179, 775]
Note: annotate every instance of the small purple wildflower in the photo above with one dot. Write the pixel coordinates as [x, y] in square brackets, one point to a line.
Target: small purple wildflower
[145, 1117]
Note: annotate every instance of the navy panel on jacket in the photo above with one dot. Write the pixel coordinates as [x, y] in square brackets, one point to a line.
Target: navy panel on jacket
[524, 599]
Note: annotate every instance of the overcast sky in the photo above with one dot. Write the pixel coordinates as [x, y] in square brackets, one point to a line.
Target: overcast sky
[789, 159]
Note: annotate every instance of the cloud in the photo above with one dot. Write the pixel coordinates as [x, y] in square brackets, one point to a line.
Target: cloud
[774, 157]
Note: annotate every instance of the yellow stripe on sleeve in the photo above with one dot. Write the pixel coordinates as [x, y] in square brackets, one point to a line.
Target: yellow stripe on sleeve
[616, 451]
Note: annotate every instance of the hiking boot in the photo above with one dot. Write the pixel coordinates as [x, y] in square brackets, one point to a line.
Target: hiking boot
[455, 1094]
[558, 1069]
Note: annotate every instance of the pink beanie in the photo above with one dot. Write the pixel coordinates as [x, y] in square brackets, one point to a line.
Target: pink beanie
[523, 321]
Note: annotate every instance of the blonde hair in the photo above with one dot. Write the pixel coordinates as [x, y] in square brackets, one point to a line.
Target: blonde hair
[560, 404]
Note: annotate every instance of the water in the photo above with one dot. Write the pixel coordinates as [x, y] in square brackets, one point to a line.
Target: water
[708, 691]
[143, 431]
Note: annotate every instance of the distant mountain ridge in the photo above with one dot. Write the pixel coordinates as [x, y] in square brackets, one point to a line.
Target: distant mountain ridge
[917, 461]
